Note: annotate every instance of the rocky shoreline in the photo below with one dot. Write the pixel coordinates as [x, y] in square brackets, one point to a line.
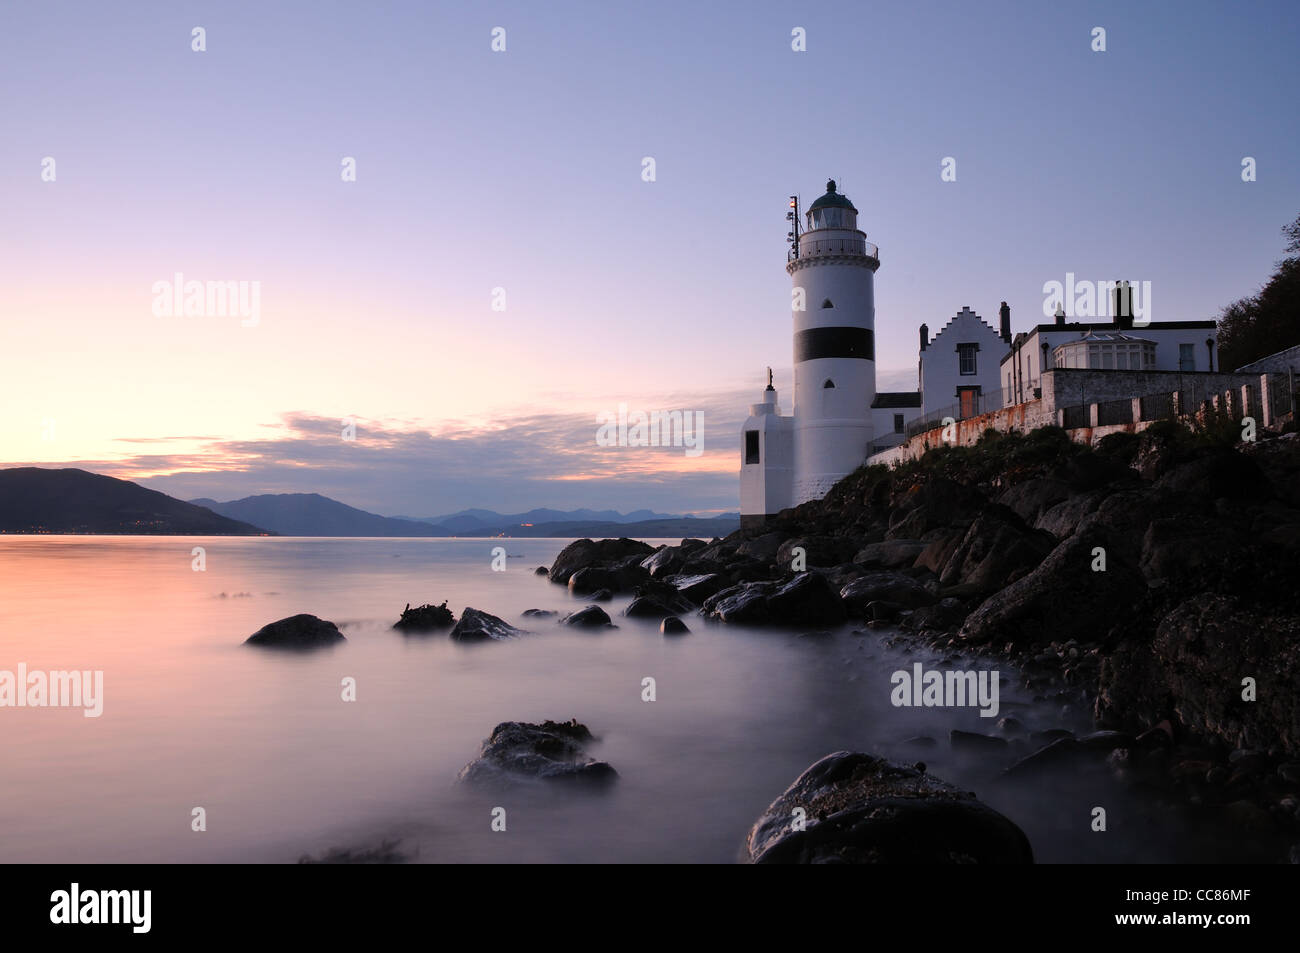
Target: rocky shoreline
[1150, 579]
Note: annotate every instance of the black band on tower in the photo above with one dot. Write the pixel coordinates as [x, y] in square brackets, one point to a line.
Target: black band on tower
[815, 343]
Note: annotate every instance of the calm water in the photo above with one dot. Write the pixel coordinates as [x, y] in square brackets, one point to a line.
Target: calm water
[284, 767]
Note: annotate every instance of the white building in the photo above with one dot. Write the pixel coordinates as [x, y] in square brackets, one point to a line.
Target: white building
[960, 365]
[1176, 345]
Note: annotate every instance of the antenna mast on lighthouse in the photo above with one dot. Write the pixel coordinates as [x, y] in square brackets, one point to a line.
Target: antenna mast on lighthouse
[792, 236]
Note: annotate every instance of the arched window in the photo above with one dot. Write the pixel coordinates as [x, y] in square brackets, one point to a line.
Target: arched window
[829, 383]
[827, 303]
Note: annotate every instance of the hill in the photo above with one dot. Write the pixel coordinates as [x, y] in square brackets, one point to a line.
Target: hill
[41, 500]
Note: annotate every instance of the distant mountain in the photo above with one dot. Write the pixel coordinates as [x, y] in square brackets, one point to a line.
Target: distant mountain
[467, 521]
[669, 528]
[310, 514]
[40, 500]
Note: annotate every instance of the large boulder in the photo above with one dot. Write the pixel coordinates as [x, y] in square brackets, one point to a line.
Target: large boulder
[866, 810]
[1193, 667]
[818, 551]
[807, 599]
[1061, 519]
[895, 587]
[297, 632]
[478, 626]
[582, 553]
[763, 547]
[590, 617]
[1063, 598]
[522, 752]
[934, 504]
[997, 548]
[1029, 498]
[746, 602]
[698, 588]
[663, 562]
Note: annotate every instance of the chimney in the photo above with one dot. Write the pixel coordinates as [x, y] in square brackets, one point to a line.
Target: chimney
[1123, 305]
[1060, 315]
[1005, 313]
[925, 337]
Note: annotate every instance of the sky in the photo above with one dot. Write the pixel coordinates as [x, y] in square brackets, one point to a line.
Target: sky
[500, 273]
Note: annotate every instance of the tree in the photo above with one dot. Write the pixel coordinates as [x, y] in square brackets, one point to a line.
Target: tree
[1269, 321]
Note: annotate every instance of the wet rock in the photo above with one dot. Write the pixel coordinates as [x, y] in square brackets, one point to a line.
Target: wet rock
[589, 617]
[663, 562]
[551, 752]
[746, 602]
[997, 549]
[593, 579]
[862, 809]
[297, 632]
[818, 551]
[1106, 740]
[893, 587]
[584, 553]
[477, 626]
[673, 626]
[1012, 727]
[763, 547]
[426, 618]
[541, 571]
[1060, 752]
[698, 588]
[601, 595]
[538, 613]
[921, 741]
[808, 598]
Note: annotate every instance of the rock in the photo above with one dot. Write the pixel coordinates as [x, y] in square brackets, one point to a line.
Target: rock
[1031, 497]
[476, 626]
[1062, 598]
[937, 503]
[818, 551]
[1199, 653]
[601, 595]
[1011, 727]
[763, 548]
[663, 562]
[426, 618]
[552, 751]
[673, 626]
[538, 613]
[945, 615]
[1106, 740]
[296, 632]
[698, 588]
[583, 553]
[593, 579]
[647, 607]
[589, 617]
[974, 741]
[746, 602]
[921, 741]
[808, 598]
[862, 809]
[890, 553]
[1062, 519]
[541, 571]
[997, 549]
[1062, 751]
[1044, 738]
[885, 586]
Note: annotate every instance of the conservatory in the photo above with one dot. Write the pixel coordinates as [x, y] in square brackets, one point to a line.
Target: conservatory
[1108, 350]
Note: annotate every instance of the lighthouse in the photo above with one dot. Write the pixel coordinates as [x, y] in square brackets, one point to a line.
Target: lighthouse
[790, 460]
[832, 268]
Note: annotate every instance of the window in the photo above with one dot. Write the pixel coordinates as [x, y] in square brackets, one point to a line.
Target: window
[751, 446]
[966, 358]
[827, 303]
[1187, 357]
[898, 423]
[829, 383]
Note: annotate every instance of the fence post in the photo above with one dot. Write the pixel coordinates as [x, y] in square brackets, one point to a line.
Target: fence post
[1137, 410]
[1093, 412]
[1265, 402]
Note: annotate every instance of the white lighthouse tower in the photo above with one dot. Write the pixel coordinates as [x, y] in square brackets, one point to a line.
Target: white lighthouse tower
[834, 345]
[790, 460]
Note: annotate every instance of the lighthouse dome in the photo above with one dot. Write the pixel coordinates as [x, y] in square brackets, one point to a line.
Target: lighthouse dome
[832, 210]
